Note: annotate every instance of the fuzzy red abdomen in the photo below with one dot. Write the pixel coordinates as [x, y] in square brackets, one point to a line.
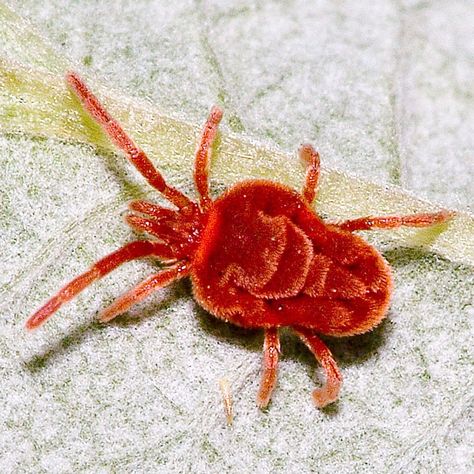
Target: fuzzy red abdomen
[266, 259]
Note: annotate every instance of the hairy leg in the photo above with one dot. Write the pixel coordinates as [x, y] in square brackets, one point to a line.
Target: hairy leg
[144, 289]
[391, 222]
[311, 157]
[330, 391]
[152, 210]
[164, 230]
[131, 251]
[116, 133]
[271, 350]
[203, 154]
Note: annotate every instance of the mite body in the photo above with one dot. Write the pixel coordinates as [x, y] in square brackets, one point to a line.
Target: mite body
[267, 260]
[258, 256]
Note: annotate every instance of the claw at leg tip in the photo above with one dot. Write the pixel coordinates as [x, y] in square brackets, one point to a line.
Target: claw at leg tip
[262, 403]
[72, 77]
[29, 326]
[104, 318]
[217, 112]
[323, 398]
[106, 315]
[449, 214]
[263, 399]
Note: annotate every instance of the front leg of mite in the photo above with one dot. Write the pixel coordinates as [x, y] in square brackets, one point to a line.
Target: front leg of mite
[330, 391]
[271, 351]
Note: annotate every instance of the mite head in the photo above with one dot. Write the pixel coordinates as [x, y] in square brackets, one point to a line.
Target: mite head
[179, 230]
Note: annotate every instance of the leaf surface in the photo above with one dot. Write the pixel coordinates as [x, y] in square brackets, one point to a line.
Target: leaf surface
[142, 394]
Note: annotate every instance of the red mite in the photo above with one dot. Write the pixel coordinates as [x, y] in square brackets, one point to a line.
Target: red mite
[258, 256]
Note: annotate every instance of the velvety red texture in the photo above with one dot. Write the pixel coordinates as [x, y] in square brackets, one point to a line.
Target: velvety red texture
[266, 259]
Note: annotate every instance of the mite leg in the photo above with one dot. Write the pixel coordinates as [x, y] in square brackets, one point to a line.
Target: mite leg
[142, 290]
[391, 222]
[330, 391]
[162, 230]
[152, 210]
[203, 154]
[311, 157]
[131, 251]
[116, 133]
[271, 351]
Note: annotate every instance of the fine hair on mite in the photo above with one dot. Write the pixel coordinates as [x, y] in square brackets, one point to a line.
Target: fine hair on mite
[258, 256]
